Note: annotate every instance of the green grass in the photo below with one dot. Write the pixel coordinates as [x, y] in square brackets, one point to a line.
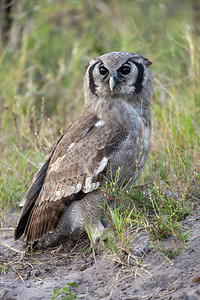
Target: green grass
[41, 94]
[65, 293]
[159, 210]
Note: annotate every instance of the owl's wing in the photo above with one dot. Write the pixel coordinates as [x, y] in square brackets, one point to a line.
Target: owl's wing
[74, 169]
[30, 197]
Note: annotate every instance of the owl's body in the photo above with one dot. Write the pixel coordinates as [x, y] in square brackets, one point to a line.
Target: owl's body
[112, 132]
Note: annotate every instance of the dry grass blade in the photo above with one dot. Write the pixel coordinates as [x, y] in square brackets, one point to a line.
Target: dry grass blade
[11, 248]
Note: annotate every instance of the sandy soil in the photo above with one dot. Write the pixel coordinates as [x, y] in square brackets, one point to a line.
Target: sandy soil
[33, 276]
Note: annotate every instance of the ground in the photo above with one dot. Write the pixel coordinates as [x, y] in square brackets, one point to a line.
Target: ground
[100, 276]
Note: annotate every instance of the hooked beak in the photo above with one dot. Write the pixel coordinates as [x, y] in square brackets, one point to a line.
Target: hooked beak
[112, 83]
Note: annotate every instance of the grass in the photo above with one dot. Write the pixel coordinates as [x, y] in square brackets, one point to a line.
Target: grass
[41, 94]
[157, 210]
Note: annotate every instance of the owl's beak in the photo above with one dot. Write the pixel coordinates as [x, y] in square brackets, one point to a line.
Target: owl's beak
[112, 83]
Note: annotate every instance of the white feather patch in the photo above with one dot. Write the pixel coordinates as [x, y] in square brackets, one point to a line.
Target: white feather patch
[56, 165]
[89, 185]
[58, 194]
[78, 188]
[70, 146]
[99, 123]
[101, 167]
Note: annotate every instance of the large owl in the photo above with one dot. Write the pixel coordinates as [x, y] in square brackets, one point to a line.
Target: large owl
[112, 132]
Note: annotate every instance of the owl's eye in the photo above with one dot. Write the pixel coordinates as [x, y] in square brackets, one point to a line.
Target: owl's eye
[103, 70]
[125, 70]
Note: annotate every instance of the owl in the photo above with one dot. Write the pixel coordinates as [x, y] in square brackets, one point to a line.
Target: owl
[113, 132]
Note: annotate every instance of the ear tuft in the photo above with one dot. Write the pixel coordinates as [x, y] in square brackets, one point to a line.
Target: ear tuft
[147, 62]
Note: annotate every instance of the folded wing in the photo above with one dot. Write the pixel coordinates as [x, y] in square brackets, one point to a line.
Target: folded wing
[74, 168]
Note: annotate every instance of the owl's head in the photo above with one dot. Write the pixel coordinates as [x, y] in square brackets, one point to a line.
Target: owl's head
[118, 74]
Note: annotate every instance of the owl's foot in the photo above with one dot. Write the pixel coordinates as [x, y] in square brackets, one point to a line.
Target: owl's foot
[51, 240]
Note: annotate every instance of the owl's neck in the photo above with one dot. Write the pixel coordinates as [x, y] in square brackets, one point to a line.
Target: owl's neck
[121, 110]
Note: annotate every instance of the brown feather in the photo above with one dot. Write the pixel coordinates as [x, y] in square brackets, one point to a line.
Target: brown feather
[32, 194]
[74, 160]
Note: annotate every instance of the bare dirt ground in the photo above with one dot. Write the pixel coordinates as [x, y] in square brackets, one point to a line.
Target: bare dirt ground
[34, 276]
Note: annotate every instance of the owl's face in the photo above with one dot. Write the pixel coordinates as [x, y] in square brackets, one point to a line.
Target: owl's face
[117, 73]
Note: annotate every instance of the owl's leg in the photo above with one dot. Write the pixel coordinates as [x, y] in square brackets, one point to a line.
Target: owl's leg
[81, 216]
[59, 236]
[55, 238]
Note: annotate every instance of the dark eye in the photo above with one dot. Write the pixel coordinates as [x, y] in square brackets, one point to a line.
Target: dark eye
[125, 70]
[103, 70]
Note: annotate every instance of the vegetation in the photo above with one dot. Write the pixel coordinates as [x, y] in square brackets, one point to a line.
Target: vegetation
[41, 76]
[65, 291]
[156, 210]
